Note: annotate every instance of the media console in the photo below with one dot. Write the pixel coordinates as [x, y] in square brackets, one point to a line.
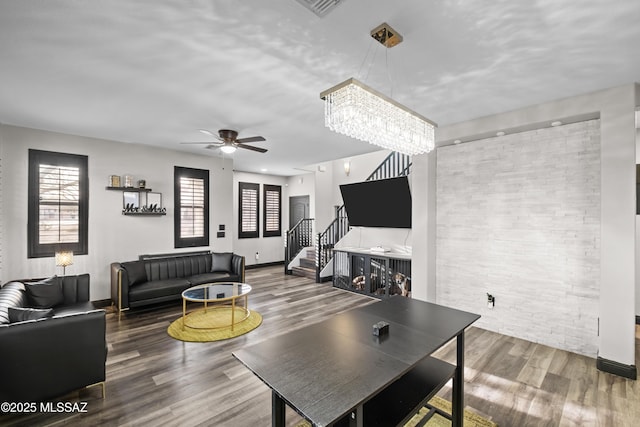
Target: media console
[371, 272]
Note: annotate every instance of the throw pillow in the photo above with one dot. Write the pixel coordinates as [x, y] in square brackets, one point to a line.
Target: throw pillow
[135, 271]
[20, 314]
[45, 294]
[11, 295]
[221, 262]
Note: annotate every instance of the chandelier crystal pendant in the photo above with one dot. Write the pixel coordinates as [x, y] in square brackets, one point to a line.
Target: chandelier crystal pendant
[356, 110]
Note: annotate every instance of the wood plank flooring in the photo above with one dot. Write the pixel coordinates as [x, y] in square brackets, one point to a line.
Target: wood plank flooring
[154, 380]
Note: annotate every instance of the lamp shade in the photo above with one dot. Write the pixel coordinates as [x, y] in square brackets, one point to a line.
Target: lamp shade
[64, 258]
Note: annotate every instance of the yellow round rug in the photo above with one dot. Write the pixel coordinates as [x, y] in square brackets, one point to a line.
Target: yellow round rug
[219, 322]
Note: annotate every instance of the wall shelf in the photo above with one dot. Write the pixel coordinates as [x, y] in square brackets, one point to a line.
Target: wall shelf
[140, 190]
[144, 213]
[132, 205]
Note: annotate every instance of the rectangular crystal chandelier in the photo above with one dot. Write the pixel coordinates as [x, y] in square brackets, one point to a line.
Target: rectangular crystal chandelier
[356, 110]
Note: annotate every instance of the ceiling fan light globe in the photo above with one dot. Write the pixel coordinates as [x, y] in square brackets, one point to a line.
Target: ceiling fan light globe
[228, 149]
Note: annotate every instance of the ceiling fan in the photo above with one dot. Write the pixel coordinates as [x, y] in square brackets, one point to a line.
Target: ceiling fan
[229, 141]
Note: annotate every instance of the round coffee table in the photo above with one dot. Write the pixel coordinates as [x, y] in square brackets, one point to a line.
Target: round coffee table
[216, 293]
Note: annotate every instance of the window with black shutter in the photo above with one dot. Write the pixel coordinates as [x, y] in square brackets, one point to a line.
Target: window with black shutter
[58, 203]
[248, 206]
[272, 196]
[191, 200]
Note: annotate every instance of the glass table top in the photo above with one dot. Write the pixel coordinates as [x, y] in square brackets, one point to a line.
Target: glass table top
[216, 291]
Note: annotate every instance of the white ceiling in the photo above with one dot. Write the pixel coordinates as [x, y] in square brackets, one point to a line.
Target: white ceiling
[154, 72]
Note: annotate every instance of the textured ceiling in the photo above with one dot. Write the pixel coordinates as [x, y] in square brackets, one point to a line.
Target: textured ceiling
[154, 72]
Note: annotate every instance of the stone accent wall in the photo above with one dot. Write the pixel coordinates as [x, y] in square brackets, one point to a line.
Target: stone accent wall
[518, 217]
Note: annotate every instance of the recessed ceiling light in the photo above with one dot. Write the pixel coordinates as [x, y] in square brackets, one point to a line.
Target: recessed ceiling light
[500, 133]
[457, 141]
[556, 123]
[263, 170]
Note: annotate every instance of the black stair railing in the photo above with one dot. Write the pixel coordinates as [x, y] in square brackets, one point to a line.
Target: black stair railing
[326, 240]
[299, 237]
[394, 165]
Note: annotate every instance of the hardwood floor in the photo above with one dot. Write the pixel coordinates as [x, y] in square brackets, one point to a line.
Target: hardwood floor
[154, 380]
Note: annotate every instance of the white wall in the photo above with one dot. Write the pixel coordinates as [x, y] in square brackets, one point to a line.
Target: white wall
[270, 249]
[112, 236]
[616, 108]
[519, 218]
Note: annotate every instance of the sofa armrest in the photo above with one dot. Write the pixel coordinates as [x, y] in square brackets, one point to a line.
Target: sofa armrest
[47, 358]
[119, 286]
[237, 265]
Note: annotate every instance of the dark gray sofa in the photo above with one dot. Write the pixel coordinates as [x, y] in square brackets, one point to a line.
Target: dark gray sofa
[50, 356]
[160, 279]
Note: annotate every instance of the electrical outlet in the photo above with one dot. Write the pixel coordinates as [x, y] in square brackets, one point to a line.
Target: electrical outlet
[491, 301]
[257, 256]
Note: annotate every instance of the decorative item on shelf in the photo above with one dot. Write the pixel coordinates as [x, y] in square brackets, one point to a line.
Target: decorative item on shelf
[154, 208]
[356, 110]
[142, 183]
[63, 259]
[130, 207]
[131, 199]
[128, 181]
[114, 181]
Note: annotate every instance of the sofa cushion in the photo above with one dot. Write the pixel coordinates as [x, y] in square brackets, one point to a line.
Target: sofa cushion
[44, 294]
[200, 279]
[221, 262]
[158, 289]
[79, 307]
[20, 314]
[136, 272]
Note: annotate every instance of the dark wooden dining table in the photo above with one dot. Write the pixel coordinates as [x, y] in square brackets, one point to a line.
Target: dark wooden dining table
[337, 372]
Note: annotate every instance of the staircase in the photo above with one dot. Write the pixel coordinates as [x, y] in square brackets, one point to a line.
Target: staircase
[395, 165]
[307, 266]
[315, 263]
[296, 239]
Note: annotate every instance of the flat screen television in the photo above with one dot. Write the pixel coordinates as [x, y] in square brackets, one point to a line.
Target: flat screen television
[382, 203]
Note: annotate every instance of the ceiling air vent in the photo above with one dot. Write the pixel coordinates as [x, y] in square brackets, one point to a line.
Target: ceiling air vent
[320, 7]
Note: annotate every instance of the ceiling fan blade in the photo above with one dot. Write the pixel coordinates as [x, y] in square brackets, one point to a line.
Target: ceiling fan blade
[250, 139]
[250, 147]
[208, 132]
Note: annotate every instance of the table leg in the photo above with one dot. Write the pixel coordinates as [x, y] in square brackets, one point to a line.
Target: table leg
[184, 311]
[233, 312]
[457, 411]
[277, 410]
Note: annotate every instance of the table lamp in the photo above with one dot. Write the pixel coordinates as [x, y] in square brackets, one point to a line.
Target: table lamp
[63, 259]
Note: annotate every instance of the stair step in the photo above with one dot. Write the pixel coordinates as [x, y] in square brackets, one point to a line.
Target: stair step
[308, 263]
[311, 253]
[304, 272]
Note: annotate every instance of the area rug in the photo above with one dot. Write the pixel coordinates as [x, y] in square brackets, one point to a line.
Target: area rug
[217, 322]
[470, 419]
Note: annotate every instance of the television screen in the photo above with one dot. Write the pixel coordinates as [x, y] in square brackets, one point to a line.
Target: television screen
[381, 203]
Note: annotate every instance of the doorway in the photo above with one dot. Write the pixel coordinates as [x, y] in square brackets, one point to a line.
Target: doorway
[298, 209]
